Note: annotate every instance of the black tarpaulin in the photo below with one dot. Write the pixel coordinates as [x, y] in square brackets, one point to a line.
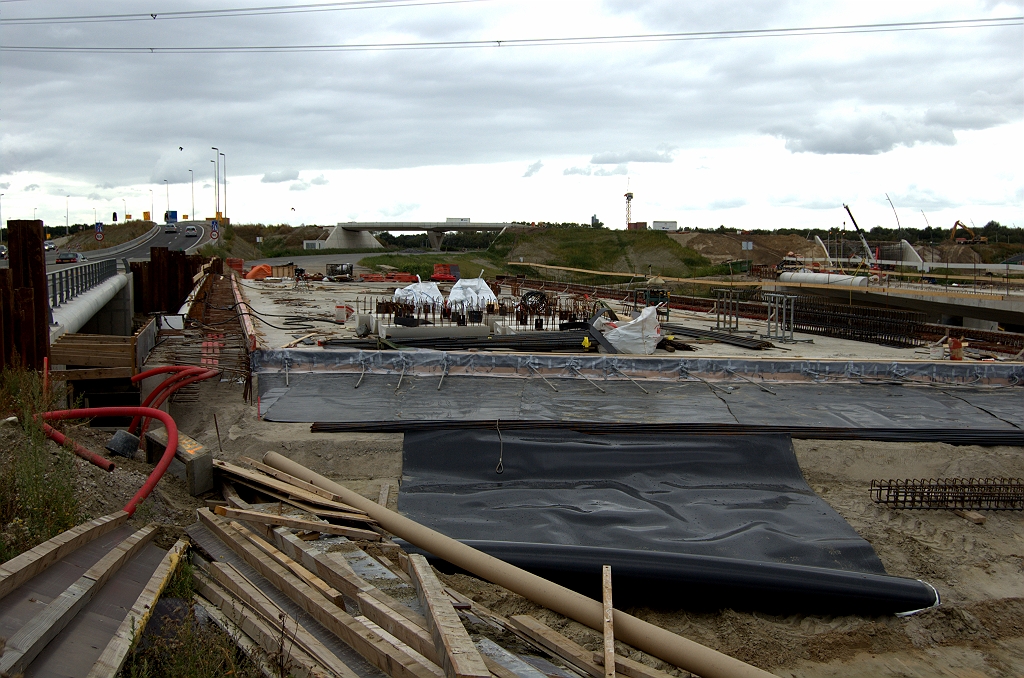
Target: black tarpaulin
[707, 520]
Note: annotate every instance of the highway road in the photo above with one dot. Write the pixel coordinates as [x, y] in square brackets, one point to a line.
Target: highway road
[174, 241]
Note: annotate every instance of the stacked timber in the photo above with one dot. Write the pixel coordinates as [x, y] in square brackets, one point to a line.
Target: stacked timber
[356, 605]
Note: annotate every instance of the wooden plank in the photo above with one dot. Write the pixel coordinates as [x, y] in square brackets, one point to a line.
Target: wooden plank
[459, 657]
[283, 487]
[325, 589]
[371, 646]
[235, 583]
[249, 647]
[91, 359]
[609, 621]
[497, 669]
[25, 645]
[267, 636]
[93, 373]
[972, 516]
[92, 338]
[629, 667]
[557, 644]
[112, 658]
[20, 569]
[385, 490]
[308, 508]
[397, 619]
[296, 523]
[297, 482]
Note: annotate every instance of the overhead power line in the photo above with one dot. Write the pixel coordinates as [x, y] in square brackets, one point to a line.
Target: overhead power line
[225, 13]
[539, 42]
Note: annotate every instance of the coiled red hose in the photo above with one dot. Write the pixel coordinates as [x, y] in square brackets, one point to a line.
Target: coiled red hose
[178, 372]
[169, 391]
[165, 460]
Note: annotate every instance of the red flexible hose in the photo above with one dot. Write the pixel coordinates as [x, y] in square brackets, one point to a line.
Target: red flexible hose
[165, 460]
[59, 438]
[181, 372]
[167, 393]
[160, 370]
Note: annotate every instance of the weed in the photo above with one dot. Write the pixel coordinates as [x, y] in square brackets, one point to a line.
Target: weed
[37, 486]
[188, 648]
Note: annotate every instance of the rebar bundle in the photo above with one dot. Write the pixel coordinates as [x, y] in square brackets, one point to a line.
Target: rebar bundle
[990, 494]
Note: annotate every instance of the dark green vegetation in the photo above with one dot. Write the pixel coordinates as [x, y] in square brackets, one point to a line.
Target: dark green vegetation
[637, 252]
[37, 480]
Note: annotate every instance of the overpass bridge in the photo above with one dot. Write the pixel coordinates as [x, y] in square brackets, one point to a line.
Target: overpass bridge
[354, 234]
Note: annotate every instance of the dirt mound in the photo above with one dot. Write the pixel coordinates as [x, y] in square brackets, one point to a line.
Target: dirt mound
[768, 249]
[948, 252]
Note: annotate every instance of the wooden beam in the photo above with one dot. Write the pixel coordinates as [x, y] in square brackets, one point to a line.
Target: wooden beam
[609, 621]
[284, 487]
[128, 633]
[325, 589]
[459, 657]
[267, 636]
[972, 516]
[385, 490]
[235, 583]
[296, 523]
[93, 373]
[556, 644]
[371, 646]
[397, 619]
[249, 647]
[26, 644]
[297, 482]
[20, 569]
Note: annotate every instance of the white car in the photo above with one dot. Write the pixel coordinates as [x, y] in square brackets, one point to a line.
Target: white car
[191, 232]
[49, 247]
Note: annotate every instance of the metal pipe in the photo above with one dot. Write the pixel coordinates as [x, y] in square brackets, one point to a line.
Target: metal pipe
[646, 637]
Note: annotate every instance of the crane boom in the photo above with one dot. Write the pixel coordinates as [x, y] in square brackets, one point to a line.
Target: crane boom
[863, 240]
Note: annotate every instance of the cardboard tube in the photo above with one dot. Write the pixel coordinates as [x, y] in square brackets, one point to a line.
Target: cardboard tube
[663, 644]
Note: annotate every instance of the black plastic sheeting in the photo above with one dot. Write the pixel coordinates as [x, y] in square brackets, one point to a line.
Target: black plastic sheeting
[683, 520]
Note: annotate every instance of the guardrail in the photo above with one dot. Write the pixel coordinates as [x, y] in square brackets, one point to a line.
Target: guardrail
[67, 283]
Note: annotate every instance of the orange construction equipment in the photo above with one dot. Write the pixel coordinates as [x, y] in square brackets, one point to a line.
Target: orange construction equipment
[973, 240]
[445, 273]
[259, 272]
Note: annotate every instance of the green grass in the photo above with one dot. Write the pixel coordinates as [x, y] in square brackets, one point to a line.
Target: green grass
[469, 263]
[37, 483]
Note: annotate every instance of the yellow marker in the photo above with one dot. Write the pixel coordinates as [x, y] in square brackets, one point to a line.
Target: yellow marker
[586, 342]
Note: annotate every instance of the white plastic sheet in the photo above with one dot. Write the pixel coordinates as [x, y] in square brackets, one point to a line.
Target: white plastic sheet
[419, 294]
[473, 292]
[640, 336]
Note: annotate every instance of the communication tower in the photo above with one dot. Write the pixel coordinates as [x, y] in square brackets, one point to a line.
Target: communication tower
[629, 203]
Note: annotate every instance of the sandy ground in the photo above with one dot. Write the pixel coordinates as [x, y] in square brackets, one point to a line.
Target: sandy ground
[978, 570]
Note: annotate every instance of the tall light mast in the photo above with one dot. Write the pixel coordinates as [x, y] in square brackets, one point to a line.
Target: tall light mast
[629, 208]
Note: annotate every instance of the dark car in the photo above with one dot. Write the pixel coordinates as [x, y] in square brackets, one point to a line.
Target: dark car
[3, 251]
[71, 258]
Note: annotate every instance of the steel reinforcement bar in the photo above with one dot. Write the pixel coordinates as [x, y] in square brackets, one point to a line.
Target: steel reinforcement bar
[988, 494]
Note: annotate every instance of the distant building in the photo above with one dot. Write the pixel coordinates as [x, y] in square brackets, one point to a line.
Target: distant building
[636, 226]
[665, 226]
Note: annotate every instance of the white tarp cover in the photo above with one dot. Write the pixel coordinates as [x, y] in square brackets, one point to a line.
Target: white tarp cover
[419, 294]
[640, 336]
[473, 292]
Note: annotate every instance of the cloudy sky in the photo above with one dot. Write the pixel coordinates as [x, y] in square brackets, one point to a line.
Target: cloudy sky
[752, 131]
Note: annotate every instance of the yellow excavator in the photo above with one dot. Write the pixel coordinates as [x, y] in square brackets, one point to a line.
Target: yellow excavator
[973, 240]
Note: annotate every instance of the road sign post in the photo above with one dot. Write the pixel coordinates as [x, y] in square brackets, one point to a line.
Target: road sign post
[214, 230]
[99, 230]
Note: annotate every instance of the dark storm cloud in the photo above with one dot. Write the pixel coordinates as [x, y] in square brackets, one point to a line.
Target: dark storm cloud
[122, 119]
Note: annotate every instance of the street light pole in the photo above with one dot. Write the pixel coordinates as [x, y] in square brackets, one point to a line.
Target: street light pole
[216, 179]
[167, 187]
[152, 216]
[124, 215]
[192, 177]
[2, 217]
[225, 173]
[67, 211]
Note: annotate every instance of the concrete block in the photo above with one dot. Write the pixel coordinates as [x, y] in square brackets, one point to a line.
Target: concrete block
[192, 462]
